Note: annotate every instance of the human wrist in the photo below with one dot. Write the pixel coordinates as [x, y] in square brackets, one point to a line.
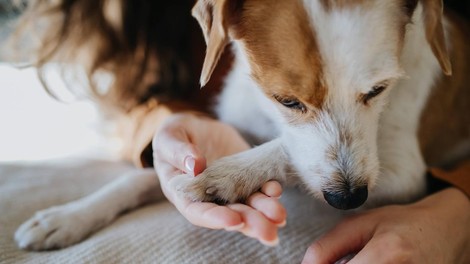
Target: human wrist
[464, 205]
[453, 207]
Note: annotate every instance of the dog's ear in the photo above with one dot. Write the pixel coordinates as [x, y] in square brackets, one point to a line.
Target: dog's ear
[433, 13]
[214, 18]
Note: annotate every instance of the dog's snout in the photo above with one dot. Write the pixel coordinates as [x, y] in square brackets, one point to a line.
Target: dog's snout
[346, 199]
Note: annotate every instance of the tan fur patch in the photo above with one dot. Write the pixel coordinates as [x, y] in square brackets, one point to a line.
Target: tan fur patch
[332, 153]
[345, 138]
[283, 51]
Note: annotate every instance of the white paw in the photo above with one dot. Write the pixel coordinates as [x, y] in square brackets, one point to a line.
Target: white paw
[53, 228]
[223, 182]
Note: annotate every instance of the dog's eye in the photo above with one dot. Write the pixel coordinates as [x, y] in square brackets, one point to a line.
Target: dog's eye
[291, 103]
[376, 90]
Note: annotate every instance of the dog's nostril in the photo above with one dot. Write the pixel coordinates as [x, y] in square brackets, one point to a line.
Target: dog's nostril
[346, 199]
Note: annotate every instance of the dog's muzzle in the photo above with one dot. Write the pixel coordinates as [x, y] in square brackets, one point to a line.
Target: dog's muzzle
[346, 199]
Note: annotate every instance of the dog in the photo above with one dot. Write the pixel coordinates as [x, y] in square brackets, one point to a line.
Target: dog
[350, 99]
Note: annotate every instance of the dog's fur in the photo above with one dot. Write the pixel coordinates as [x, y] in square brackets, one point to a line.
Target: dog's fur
[306, 80]
[326, 57]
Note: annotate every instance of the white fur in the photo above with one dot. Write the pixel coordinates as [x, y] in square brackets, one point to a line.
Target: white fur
[402, 163]
[67, 224]
[356, 56]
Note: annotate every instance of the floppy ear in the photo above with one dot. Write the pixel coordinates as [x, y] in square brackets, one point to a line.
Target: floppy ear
[433, 12]
[212, 16]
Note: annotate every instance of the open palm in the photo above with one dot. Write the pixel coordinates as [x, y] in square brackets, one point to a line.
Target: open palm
[186, 143]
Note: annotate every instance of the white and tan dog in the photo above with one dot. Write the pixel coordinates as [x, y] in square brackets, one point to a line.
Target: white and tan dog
[351, 97]
[345, 93]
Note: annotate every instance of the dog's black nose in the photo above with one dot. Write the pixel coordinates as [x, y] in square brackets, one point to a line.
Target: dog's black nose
[346, 199]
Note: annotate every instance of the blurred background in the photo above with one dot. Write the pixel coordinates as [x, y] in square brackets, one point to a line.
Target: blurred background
[33, 125]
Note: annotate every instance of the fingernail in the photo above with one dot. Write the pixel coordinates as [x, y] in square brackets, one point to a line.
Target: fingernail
[235, 227]
[282, 224]
[271, 243]
[189, 163]
[346, 259]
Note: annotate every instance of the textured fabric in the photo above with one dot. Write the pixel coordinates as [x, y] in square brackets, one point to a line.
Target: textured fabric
[156, 233]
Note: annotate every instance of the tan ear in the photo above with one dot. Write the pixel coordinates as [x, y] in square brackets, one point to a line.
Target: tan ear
[433, 13]
[212, 16]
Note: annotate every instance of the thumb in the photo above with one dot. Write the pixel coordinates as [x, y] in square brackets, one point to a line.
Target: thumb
[179, 152]
[348, 237]
[194, 164]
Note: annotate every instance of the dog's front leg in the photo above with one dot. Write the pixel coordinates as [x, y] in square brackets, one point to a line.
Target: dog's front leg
[67, 224]
[235, 177]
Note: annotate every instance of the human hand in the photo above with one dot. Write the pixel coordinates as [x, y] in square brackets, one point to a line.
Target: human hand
[433, 230]
[186, 143]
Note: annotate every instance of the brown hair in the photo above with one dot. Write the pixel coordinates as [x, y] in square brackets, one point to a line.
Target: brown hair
[143, 44]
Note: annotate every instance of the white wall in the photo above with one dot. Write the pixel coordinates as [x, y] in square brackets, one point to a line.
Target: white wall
[34, 126]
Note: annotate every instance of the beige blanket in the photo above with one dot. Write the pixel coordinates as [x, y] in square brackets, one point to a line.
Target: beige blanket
[152, 234]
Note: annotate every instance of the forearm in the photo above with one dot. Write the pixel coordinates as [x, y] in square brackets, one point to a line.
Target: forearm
[462, 207]
[452, 207]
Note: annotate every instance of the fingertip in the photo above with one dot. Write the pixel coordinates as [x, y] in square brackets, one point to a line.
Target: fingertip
[272, 189]
[235, 227]
[270, 207]
[282, 224]
[189, 164]
[269, 238]
[257, 225]
[199, 165]
[212, 216]
[270, 243]
[308, 258]
[313, 254]
[194, 163]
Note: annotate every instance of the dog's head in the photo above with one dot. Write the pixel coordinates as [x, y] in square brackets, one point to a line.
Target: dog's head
[329, 66]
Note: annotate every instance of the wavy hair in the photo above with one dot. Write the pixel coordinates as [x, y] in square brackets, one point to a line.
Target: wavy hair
[144, 45]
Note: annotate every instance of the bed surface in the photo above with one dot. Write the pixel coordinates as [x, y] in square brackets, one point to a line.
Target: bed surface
[155, 233]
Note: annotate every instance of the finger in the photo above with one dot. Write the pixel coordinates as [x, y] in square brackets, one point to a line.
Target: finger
[270, 207]
[346, 238]
[207, 215]
[210, 215]
[256, 225]
[174, 146]
[379, 249]
[272, 189]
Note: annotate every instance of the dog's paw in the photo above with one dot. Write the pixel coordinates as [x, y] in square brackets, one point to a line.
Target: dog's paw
[53, 228]
[219, 184]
